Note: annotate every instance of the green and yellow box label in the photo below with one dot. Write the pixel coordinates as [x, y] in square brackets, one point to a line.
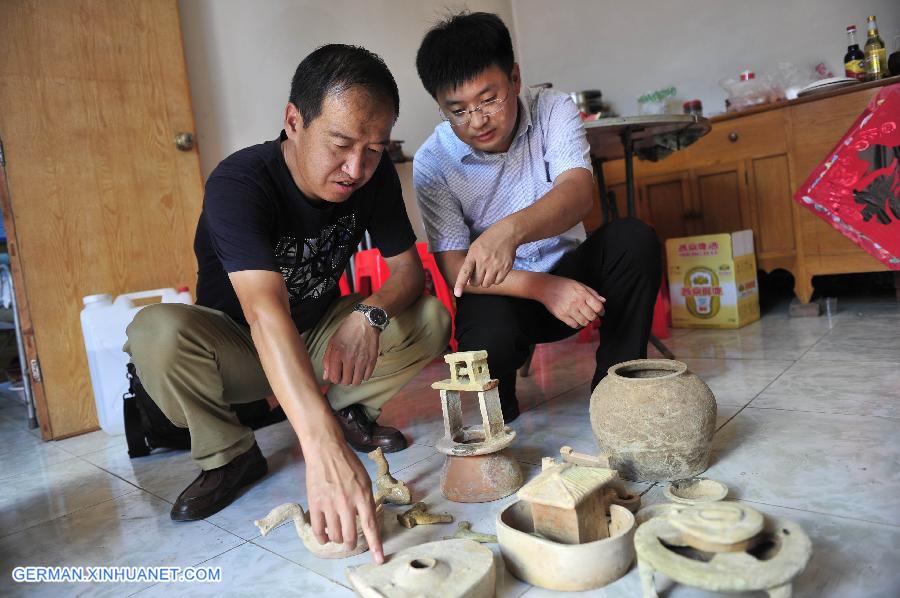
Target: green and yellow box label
[712, 280]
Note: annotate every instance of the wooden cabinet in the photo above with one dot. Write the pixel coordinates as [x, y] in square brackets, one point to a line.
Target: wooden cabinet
[719, 197]
[742, 175]
[664, 201]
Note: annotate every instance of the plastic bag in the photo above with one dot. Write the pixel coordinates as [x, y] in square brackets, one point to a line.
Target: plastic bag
[654, 102]
[789, 78]
[747, 91]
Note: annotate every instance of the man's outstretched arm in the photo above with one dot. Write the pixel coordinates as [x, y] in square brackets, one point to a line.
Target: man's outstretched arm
[338, 486]
[490, 257]
[570, 301]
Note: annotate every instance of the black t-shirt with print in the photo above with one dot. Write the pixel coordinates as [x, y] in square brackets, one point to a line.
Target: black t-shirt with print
[255, 218]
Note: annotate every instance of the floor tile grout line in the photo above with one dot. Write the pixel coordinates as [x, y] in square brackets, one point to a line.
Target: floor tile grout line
[78, 510]
[301, 565]
[556, 396]
[28, 472]
[405, 467]
[836, 516]
[887, 417]
[127, 481]
[762, 390]
[198, 564]
[91, 452]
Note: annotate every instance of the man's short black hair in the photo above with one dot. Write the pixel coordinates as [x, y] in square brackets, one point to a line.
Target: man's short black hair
[334, 68]
[456, 50]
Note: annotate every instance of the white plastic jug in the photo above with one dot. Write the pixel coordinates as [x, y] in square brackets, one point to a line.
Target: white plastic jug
[103, 323]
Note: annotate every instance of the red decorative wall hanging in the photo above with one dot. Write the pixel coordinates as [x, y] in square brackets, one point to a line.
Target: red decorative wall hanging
[857, 188]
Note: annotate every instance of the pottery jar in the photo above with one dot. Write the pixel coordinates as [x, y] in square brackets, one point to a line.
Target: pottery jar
[654, 419]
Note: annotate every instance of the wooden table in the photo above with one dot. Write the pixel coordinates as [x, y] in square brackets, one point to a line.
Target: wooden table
[623, 136]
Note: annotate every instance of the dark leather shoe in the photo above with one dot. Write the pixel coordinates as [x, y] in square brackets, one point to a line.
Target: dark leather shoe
[215, 489]
[365, 435]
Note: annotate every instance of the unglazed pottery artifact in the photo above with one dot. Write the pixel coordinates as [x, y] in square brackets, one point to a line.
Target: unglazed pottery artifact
[564, 567]
[568, 503]
[616, 493]
[718, 526]
[476, 468]
[480, 478]
[694, 491]
[329, 550]
[654, 420]
[387, 488]
[419, 515]
[658, 510]
[445, 569]
[464, 532]
[695, 546]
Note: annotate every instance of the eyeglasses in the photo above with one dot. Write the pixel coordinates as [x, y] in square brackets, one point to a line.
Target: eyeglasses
[462, 117]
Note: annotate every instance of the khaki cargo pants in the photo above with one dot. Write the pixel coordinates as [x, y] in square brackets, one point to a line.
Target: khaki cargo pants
[195, 362]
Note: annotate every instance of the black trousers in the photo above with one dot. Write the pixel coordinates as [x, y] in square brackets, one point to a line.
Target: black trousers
[620, 260]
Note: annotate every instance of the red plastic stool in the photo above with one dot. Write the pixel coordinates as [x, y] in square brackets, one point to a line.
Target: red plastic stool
[662, 311]
[371, 271]
[343, 285]
[441, 290]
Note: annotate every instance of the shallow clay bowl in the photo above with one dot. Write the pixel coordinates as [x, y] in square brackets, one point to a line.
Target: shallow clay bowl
[693, 491]
[564, 567]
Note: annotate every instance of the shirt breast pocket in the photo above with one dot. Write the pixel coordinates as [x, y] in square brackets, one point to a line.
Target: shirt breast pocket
[529, 252]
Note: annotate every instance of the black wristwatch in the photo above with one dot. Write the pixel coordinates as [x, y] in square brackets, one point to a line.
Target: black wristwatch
[376, 316]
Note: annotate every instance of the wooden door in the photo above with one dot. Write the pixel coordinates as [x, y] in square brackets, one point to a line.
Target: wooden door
[92, 94]
[664, 204]
[719, 197]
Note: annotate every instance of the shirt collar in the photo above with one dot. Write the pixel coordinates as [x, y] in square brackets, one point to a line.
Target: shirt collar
[462, 149]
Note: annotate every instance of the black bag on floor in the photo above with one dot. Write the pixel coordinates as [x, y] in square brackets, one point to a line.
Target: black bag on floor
[147, 427]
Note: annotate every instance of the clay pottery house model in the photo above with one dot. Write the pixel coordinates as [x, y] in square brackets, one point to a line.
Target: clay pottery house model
[567, 505]
[557, 536]
[654, 420]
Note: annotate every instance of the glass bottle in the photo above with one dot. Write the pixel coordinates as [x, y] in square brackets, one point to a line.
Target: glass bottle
[854, 59]
[876, 53]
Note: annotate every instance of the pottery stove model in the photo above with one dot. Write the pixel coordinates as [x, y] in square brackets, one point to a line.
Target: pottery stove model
[477, 468]
[722, 547]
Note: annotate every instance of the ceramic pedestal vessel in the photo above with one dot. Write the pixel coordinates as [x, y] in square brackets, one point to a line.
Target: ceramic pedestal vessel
[654, 420]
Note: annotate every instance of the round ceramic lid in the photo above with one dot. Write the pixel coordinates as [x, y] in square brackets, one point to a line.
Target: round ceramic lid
[721, 523]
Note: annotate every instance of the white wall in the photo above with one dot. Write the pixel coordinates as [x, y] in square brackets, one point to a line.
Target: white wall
[241, 56]
[628, 48]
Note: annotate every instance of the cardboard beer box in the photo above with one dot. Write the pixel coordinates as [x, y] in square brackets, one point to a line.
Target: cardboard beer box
[712, 280]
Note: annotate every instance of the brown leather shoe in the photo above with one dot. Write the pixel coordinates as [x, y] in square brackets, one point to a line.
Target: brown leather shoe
[215, 489]
[365, 435]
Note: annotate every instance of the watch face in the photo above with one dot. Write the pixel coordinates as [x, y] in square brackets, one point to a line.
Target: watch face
[378, 316]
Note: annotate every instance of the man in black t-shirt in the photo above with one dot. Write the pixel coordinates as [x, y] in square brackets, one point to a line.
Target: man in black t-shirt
[280, 221]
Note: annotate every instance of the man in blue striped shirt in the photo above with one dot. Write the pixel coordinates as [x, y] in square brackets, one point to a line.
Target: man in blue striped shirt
[503, 184]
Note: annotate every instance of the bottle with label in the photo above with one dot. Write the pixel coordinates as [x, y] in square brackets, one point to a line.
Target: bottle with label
[854, 59]
[876, 53]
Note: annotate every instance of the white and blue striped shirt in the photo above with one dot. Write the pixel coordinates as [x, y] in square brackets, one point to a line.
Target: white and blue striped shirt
[462, 191]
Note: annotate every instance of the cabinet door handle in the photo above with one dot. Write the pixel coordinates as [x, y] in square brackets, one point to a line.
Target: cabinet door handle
[732, 137]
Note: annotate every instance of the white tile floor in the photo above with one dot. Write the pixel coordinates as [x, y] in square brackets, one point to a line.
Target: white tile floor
[808, 430]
